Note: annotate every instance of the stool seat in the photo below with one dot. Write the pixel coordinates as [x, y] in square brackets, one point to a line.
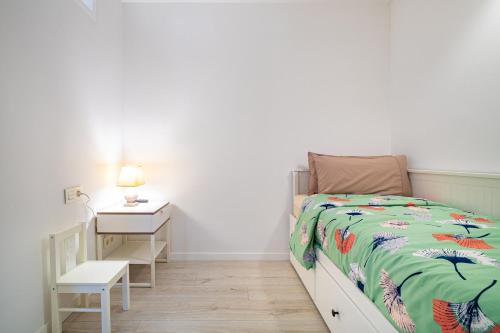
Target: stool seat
[96, 273]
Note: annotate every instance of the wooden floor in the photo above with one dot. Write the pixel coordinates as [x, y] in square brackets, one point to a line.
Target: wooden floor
[223, 296]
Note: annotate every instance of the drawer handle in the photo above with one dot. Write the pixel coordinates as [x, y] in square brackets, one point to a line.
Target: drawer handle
[334, 313]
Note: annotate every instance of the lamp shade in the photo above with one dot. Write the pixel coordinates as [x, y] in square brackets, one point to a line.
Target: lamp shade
[131, 176]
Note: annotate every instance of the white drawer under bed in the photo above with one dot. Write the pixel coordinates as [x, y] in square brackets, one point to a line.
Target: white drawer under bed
[332, 292]
[342, 305]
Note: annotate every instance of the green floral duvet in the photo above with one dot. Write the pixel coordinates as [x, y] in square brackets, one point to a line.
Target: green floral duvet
[427, 267]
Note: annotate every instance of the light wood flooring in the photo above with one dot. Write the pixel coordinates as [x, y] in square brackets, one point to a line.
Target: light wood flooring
[211, 297]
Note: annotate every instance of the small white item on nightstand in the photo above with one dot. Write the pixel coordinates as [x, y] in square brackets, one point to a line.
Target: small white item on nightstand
[130, 177]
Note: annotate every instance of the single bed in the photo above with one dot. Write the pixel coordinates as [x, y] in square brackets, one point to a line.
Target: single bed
[396, 264]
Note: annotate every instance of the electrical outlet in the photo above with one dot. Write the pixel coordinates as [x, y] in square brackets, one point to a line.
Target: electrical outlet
[71, 194]
[108, 241]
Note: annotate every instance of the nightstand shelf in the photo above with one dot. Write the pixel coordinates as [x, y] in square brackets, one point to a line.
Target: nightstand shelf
[136, 252]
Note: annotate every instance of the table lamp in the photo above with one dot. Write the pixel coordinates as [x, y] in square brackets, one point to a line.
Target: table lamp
[131, 176]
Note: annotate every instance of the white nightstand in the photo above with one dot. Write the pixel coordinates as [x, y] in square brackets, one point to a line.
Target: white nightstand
[144, 219]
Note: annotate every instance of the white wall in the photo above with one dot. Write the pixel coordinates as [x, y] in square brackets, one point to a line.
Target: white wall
[60, 104]
[222, 100]
[445, 83]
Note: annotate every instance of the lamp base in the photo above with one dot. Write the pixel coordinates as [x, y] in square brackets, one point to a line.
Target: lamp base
[130, 199]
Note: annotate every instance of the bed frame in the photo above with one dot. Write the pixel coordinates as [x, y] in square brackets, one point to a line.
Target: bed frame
[342, 305]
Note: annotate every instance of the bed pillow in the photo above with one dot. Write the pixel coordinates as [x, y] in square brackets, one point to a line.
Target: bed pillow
[313, 176]
[362, 174]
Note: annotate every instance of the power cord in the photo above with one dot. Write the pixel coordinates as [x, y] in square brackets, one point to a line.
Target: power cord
[80, 193]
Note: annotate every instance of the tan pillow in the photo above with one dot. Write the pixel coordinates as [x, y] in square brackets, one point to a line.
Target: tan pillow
[313, 176]
[362, 174]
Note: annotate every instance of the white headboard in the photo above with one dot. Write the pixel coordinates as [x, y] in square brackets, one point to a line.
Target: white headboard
[300, 181]
[477, 192]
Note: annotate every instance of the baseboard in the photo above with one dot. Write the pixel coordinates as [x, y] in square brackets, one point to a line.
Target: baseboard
[265, 256]
[42, 329]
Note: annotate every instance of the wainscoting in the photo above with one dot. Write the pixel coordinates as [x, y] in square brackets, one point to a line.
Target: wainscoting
[477, 192]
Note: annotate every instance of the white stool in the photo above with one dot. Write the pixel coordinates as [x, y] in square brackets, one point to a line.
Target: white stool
[88, 277]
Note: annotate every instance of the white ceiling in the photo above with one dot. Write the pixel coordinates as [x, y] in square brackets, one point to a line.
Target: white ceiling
[241, 1]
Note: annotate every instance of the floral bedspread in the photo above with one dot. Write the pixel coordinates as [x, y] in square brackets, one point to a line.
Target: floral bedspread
[427, 267]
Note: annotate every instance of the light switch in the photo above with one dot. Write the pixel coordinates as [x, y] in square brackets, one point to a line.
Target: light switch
[71, 194]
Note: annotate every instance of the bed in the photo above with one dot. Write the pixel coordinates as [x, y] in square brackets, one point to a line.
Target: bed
[376, 263]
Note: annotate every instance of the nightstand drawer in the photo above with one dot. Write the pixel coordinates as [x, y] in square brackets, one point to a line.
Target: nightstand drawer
[161, 216]
[133, 222]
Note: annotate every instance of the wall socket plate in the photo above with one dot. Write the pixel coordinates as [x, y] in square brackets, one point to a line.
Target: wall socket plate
[108, 241]
[71, 194]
